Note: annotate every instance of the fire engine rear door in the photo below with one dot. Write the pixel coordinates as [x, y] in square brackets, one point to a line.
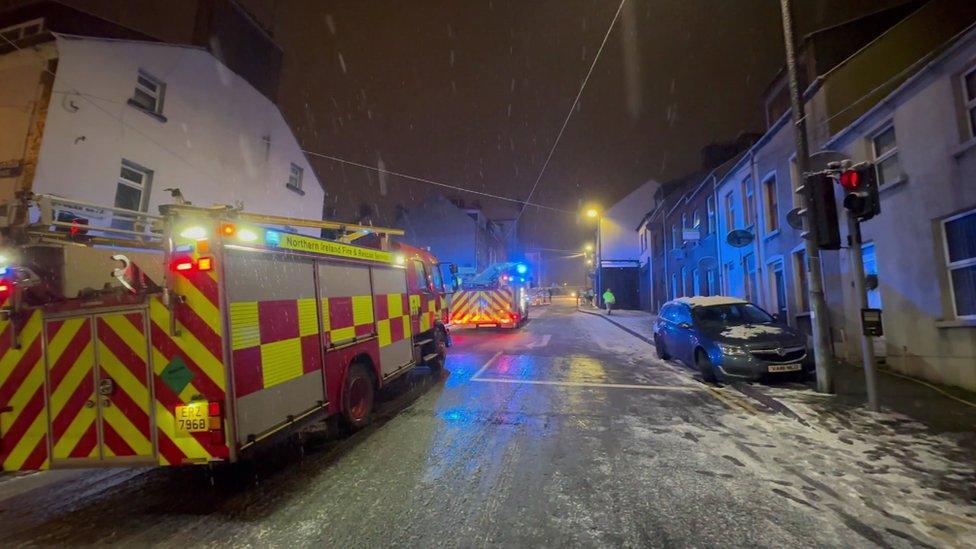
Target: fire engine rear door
[98, 388]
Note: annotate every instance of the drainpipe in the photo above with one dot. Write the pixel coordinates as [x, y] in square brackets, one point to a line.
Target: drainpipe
[758, 197]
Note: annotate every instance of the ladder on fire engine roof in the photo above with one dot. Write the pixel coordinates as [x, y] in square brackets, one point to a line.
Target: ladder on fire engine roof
[135, 229]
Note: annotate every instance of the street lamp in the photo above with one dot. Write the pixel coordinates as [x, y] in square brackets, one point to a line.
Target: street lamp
[592, 213]
[588, 247]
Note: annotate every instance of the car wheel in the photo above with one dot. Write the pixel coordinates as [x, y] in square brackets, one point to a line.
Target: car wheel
[662, 351]
[704, 365]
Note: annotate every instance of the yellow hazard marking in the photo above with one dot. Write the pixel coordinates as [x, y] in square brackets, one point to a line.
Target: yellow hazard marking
[362, 309]
[326, 324]
[394, 305]
[308, 319]
[244, 329]
[281, 361]
[383, 331]
[127, 431]
[20, 453]
[202, 306]
[10, 359]
[189, 344]
[407, 330]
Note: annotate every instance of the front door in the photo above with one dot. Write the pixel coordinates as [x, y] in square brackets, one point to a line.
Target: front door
[98, 388]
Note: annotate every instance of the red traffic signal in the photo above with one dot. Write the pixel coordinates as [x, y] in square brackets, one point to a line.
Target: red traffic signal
[861, 192]
[850, 180]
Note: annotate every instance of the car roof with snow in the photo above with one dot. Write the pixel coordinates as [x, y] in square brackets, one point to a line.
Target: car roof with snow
[706, 301]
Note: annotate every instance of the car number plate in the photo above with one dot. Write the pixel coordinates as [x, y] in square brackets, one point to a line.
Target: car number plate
[192, 418]
[784, 367]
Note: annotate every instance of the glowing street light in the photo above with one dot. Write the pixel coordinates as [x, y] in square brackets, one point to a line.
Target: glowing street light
[589, 261]
[588, 247]
[592, 213]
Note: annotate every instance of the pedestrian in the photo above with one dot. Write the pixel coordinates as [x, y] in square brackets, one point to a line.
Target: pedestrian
[549, 295]
[609, 299]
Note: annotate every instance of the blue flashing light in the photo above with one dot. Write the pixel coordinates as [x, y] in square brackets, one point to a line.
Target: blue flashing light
[521, 279]
[521, 268]
[272, 238]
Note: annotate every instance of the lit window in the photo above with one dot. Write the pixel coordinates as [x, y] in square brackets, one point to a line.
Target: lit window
[959, 232]
[295, 177]
[696, 219]
[148, 94]
[969, 83]
[771, 205]
[886, 156]
[131, 192]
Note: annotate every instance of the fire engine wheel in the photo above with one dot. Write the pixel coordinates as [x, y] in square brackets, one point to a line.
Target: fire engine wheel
[357, 397]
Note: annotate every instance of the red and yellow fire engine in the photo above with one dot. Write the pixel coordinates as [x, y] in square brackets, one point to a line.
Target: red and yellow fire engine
[216, 331]
[495, 297]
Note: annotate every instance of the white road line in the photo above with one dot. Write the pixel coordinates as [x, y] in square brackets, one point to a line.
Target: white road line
[541, 342]
[584, 384]
[487, 364]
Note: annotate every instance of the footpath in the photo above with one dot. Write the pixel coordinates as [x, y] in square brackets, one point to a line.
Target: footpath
[940, 408]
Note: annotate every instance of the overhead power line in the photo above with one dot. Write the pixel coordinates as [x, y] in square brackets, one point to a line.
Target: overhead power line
[571, 109]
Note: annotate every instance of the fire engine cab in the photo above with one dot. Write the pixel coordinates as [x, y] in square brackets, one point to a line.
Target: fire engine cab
[194, 336]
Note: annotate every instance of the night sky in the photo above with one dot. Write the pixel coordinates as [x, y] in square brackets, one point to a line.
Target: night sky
[472, 93]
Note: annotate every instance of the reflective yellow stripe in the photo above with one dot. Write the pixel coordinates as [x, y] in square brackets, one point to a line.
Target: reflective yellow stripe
[31, 331]
[308, 321]
[127, 431]
[202, 306]
[244, 329]
[383, 330]
[362, 309]
[281, 361]
[211, 365]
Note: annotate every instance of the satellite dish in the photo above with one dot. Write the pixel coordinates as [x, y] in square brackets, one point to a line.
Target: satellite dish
[739, 238]
[795, 219]
[707, 262]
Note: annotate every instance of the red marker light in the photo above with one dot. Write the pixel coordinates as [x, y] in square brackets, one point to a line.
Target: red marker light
[850, 180]
[182, 264]
[214, 409]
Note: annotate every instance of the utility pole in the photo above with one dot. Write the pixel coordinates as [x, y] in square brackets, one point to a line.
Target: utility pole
[867, 343]
[818, 304]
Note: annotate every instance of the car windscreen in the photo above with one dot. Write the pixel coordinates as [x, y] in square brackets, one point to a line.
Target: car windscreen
[731, 314]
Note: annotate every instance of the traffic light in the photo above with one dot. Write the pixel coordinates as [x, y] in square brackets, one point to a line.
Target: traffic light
[822, 209]
[861, 192]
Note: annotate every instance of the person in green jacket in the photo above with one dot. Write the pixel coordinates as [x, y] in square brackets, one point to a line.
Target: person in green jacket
[609, 300]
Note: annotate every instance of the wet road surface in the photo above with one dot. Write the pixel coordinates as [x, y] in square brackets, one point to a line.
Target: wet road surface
[568, 432]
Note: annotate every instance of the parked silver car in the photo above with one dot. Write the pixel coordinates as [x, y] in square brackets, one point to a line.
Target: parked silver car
[728, 338]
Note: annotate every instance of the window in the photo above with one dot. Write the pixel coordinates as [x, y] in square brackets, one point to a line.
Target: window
[749, 269]
[727, 277]
[148, 94]
[770, 204]
[436, 278]
[960, 251]
[711, 286]
[674, 237]
[420, 282]
[674, 285]
[711, 215]
[131, 192]
[730, 212]
[749, 202]
[696, 282]
[795, 181]
[696, 220]
[684, 221]
[802, 287]
[295, 175]
[21, 30]
[969, 83]
[886, 156]
[777, 288]
[684, 281]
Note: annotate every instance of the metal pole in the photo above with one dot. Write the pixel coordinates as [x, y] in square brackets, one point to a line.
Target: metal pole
[867, 344]
[818, 304]
[598, 272]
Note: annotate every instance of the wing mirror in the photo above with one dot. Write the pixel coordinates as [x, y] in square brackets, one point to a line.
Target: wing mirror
[684, 326]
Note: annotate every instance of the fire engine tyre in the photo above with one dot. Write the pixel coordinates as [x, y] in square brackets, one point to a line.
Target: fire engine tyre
[439, 346]
[357, 397]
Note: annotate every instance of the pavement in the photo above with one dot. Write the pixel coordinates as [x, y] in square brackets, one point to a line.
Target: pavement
[568, 432]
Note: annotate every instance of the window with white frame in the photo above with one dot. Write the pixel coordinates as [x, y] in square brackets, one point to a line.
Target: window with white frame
[770, 204]
[21, 30]
[711, 287]
[795, 181]
[959, 232]
[727, 269]
[711, 214]
[696, 221]
[696, 282]
[148, 94]
[131, 189]
[684, 221]
[730, 212]
[748, 202]
[885, 151]
[969, 91]
[295, 175]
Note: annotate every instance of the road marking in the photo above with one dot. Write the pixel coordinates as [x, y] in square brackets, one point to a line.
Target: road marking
[583, 384]
[542, 342]
[731, 401]
[487, 364]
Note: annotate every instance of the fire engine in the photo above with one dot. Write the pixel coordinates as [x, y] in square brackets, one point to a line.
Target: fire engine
[200, 334]
[495, 297]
